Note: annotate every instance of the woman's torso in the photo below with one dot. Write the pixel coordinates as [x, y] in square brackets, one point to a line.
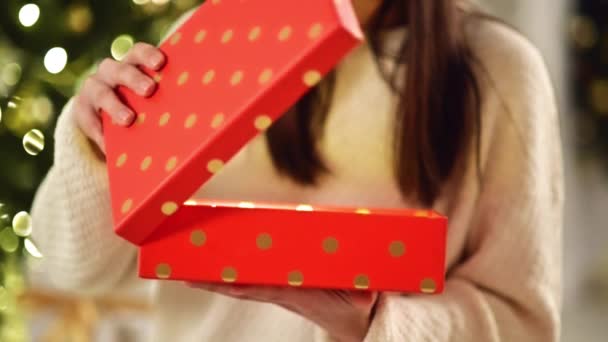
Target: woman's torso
[357, 148]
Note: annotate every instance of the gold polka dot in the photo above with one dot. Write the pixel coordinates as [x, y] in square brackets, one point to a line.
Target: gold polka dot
[264, 241]
[227, 36]
[215, 165]
[295, 278]
[361, 282]
[163, 271]
[200, 36]
[198, 238]
[171, 164]
[363, 211]
[247, 205]
[217, 120]
[183, 78]
[396, 248]
[164, 119]
[304, 207]
[315, 31]
[122, 159]
[157, 77]
[330, 245]
[126, 206]
[236, 78]
[145, 164]
[254, 34]
[169, 208]
[265, 76]
[428, 286]
[421, 213]
[176, 38]
[209, 76]
[285, 33]
[262, 122]
[190, 121]
[311, 78]
[229, 274]
[141, 118]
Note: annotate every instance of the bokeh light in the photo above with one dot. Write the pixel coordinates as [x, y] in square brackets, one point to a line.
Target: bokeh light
[55, 60]
[3, 298]
[9, 242]
[79, 18]
[29, 15]
[31, 248]
[22, 224]
[11, 74]
[33, 142]
[141, 2]
[583, 32]
[121, 46]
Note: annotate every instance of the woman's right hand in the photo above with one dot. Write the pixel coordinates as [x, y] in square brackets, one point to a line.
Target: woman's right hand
[97, 92]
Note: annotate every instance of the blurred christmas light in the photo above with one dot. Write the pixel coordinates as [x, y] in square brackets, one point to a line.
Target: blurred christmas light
[55, 60]
[14, 102]
[11, 73]
[22, 224]
[599, 96]
[3, 298]
[121, 46]
[583, 32]
[31, 248]
[141, 2]
[79, 18]
[8, 240]
[184, 4]
[42, 110]
[29, 14]
[160, 2]
[33, 142]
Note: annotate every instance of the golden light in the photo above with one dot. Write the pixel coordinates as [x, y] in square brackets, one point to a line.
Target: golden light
[31, 248]
[29, 15]
[55, 60]
[11, 74]
[22, 224]
[8, 240]
[33, 142]
[121, 46]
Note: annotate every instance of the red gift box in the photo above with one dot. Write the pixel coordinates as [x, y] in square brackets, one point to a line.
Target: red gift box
[257, 57]
[299, 245]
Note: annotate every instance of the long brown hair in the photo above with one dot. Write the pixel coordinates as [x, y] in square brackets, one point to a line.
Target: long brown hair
[439, 110]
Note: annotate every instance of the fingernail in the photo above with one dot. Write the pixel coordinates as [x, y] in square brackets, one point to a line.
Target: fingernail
[126, 116]
[156, 61]
[145, 86]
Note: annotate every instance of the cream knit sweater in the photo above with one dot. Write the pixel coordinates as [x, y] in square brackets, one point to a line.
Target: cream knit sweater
[504, 238]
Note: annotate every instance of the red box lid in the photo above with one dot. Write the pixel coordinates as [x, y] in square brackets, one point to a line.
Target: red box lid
[232, 69]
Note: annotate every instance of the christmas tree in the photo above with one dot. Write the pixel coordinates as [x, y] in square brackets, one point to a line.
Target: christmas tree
[47, 47]
[589, 43]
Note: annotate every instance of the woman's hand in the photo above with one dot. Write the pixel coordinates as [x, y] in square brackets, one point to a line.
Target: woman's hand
[345, 315]
[98, 93]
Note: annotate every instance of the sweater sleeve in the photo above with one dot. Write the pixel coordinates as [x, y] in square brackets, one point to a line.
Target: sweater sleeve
[506, 286]
[72, 220]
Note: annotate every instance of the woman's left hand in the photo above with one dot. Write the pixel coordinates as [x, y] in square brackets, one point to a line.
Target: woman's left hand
[345, 315]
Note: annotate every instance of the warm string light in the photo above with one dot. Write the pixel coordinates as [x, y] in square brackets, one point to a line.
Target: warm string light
[121, 46]
[56, 60]
[29, 15]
